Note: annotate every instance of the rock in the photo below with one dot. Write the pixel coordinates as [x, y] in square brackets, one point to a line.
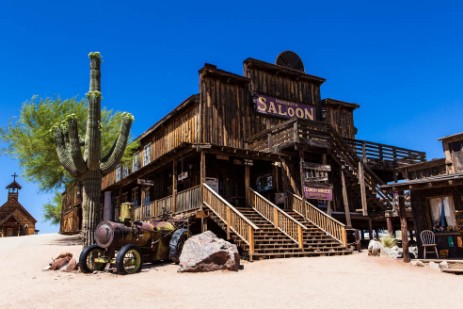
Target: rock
[444, 265]
[207, 252]
[60, 262]
[374, 247]
[71, 266]
[417, 263]
[433, 266]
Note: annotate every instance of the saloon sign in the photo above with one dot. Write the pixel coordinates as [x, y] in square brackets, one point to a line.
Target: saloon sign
[285, 109]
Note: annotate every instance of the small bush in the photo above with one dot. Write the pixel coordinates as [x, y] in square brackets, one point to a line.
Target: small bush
[388, 241]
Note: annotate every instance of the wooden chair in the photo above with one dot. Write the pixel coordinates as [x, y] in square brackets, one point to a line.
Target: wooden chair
[428, 240]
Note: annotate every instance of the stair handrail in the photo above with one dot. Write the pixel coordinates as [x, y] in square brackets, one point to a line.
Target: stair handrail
[280, 219]
[317, 217]
[234, 220]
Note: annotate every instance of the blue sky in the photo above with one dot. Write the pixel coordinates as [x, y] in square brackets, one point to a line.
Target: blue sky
[402, 61]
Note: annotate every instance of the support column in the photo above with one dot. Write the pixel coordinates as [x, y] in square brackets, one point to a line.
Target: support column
[202, 173]
[107, 207]
[302, 177]
[345, 200]
[292, 183]
[174, 186]
[328, 203]
[363, 193]
[247, 184]
[404, 227]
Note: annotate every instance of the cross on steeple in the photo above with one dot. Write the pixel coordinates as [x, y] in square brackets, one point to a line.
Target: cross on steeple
[14, 176]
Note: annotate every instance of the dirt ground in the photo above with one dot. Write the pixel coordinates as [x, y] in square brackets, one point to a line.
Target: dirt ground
[356, 281]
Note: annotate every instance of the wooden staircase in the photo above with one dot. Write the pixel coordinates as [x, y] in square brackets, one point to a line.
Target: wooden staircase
[262, 238]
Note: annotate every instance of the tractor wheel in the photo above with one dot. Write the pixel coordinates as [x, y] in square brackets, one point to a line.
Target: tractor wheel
[176, 244]
[87, 258]
[128, 260]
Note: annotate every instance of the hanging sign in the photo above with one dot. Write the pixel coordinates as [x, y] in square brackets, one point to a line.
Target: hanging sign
[182, 176]
[213, 183]
[282, 108]
[318, 192]
[145, 182]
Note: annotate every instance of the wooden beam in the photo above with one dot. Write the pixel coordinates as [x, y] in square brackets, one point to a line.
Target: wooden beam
[345, 200]
[363, 194]
[403, 227]
[202, 175]
[328, 204]
[174, 185]
[302, 176]
[247, 184]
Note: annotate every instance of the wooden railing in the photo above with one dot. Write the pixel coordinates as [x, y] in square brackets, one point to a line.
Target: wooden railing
[189, 199]
[317, 217]
[298, 131]
[280, 219]
[234, 220]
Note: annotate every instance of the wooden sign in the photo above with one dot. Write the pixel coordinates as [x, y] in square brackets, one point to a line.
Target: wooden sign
[318, 192]
[284, 109]
[145, 182]
[248, 162]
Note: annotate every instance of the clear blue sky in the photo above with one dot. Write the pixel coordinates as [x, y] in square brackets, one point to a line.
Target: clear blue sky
[402, 61]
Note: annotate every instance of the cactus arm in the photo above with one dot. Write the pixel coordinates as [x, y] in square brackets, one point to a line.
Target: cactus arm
[74, 146]
[63, 155]
[121, 143]
[93, 135]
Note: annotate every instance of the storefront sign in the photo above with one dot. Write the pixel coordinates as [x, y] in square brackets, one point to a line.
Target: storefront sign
[318, 193]
[285, 109]
[213, 183]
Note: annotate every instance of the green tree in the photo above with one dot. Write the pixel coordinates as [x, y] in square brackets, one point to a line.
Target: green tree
[29, 140]
[52, 210]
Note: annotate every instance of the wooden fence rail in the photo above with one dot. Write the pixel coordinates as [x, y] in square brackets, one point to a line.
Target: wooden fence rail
[234, 220]
[281, 220]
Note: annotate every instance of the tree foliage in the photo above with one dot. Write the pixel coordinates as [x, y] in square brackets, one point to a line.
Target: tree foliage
[52, 210]
[31, 142]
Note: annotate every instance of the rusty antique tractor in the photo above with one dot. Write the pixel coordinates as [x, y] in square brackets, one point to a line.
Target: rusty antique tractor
[126, 245]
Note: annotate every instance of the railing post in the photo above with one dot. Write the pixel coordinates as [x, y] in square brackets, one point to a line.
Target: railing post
[296, 132]
[251, 241]
[300, 238]
[275, 217]
[344, 236]
[228, 219]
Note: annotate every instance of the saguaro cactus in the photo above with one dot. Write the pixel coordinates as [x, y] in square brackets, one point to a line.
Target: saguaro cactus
[90, 167]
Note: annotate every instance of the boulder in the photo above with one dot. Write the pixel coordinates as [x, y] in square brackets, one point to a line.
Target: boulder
[71, 266]
[374, 247]
[444, 265]
[417, 263]
[207, 252]
[433, 266]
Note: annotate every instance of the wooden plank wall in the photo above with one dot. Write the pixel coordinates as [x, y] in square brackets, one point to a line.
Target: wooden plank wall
[228, 115]
[342, 120]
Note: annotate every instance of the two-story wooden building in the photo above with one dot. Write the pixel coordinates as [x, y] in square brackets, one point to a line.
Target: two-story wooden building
[263, 158]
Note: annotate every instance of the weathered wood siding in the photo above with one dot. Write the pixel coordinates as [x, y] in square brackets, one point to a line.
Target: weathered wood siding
[227, 107]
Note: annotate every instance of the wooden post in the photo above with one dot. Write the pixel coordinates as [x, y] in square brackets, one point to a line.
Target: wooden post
[228, 222]
[344, 236]
[247, 184]
[292, 183]
[300, 238]
[251, 242]
[390, 228]
[403, 227]
[370, 229]
[275, 217]
[345, 199]
[363, 193]
[174, 185]
[202, 175]
[302, 176]
[328, 203]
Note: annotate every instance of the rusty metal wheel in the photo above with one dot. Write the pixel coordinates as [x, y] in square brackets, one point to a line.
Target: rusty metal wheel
[87, 259]
[128, 260]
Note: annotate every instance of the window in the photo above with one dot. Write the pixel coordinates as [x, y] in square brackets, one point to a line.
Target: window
[443, 212]
[118, 173]
[147, 154]
[136, 162]
[125, 171]
[135, 201]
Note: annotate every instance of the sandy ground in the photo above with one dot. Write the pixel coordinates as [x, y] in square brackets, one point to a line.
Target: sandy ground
[355, 281]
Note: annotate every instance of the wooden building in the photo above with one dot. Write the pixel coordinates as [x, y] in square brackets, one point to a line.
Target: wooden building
[436, 195]
[15, 220]
[261, 156]
[71, 210]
